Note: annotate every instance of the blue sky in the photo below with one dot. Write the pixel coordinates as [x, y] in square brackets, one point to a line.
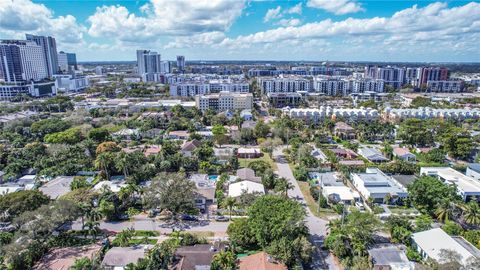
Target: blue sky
[319, 30]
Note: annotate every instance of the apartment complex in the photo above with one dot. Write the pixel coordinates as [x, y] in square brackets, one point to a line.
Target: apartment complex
[285, 84]
[22, 60]
[148, 64]
[317, 115]
[224, 101]
[49, 49]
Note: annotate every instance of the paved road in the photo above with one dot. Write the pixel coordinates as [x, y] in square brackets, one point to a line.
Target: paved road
[317, 226]
[149, 224]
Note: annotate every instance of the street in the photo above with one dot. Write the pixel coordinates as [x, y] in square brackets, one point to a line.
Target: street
[318, 227]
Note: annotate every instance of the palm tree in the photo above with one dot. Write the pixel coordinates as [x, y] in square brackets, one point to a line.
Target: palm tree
[94, 215]
[102, 162]
[92, 228]
[224, 260]
[471, 213]
[121, 163]
[444, 211]
[283, 185]
[230, 203]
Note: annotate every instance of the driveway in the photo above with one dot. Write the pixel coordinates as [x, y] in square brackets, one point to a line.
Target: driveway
[317, 226]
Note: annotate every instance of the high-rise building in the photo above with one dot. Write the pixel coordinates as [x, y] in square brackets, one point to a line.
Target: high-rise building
[62, 62]
[72, 60]
[165, 67]
[22, 60]
[148, 63]
[431, 74]
[181, 63]
[49, 47]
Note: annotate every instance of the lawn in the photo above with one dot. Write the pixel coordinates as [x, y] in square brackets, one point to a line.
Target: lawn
[312, 204]
[244, 162]
[403, 210]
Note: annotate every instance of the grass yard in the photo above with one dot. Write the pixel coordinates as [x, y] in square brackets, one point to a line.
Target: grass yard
[312, 204]
[244, 162]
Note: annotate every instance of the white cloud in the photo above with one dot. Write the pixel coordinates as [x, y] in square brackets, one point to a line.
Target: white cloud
[435, 21]
[289, 22]
[338, 7]
[297, 9]
[165, 18]
[198, 40]
[273, 13]
[26, 16]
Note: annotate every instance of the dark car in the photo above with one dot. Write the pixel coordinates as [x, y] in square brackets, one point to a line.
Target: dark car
[188, 218]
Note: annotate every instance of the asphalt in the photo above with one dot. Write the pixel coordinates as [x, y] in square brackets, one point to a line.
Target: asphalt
[322, 259]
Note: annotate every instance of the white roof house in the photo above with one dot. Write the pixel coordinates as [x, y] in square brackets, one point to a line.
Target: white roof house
[376, 184]
[114, 186]
[5, 189]
[342, 193]
[57, 187]
[371, 154]
[431, 243]
[466, 186]
[239, 188]
[118, 258]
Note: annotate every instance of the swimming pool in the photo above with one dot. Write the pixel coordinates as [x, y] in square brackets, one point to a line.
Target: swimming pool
[213, 177]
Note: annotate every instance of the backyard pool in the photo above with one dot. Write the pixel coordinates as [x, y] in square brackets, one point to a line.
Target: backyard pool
[213, 177]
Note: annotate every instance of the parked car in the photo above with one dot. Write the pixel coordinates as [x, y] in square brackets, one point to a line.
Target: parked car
[360, 206]
[188, 218]
[221, 218]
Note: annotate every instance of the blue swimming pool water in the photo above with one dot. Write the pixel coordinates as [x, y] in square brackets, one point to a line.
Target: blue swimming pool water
[213, 177]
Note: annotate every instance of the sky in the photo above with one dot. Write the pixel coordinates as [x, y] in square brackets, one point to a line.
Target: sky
[308, 30]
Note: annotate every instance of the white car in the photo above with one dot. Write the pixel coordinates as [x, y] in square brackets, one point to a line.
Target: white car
[360, 206]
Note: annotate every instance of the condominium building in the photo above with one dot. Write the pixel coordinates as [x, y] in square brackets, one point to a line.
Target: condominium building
[317, 115]
[283, 84]
[445, 86]
[22, 60]
[217, 86]
[72, 60]
[35, 89]
[426, 74]
[68, 83]
[393, 76]
[148, 63]
[49, 47]
[165, 67]
[181, 63]
[189, 89]
[367, 85]
[331, 86]
[429, 113]
[62, 62]
[280, 100]
[224, 101]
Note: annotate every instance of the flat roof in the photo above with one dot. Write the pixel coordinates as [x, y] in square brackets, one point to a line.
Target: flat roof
[375, 181]
[345, 193]
[390, 255]
[57, 187]
[433, 241]
[237, 189]
[463, 182]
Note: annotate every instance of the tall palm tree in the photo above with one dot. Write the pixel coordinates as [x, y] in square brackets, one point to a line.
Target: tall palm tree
[283, 185]
[445, 211]
[471, 213]
[92, 228]
[224, 260]
[230, 203]
[94, 215]
[101, 163]
[121, 163]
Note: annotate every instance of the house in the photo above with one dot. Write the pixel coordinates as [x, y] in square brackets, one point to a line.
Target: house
[404, 154]
[114, 184]
[204, 191]
[243, 152]
[152, 150]
[246, 186]
[223, 155]
[344, 131]
[178, 135]
[430, 244]
[197, 257]
[390, 256]
[126, 134]
[423, 150]
[372, 154]
[473, 170]
[352, 163]
[248, 174]
[332, 187]
[188, 147]
[344, 153]
[249, 124]
[377, 185]
[260, 261]
[64, 258]
[117, 258]
[319, 155]
[57, 187]
[467, 187]
[10, 188]
[246, 115]
[152, 133]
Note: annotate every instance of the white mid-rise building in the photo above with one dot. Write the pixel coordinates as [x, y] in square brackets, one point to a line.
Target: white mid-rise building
[69, 83]
[224, 101]
[429, 113]
[317, 115]
[189, 89]
[282, 84]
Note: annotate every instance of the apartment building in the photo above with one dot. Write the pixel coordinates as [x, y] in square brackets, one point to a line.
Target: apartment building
[429, 113]
[189, 89]
[285, 84]
[224, 101]
[22, 60]
[280, 100]
[445, 86]
[317, 115]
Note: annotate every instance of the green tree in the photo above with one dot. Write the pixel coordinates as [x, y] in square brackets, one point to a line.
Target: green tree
[229, 203]
[241, 236]
[219, 133]
[16, 203]
[426, 193]
[69, 136]
[282, 185]
[123, 238]
[107, 209]
[423, 223]
[224, 260]
[99, 134]
[471, 213]
[79, 182]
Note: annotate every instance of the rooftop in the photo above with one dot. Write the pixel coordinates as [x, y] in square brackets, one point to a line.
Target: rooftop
[390, 255]
[57, 187]
[260, 261]
[447, 174]
[239, 188]
[121, 256]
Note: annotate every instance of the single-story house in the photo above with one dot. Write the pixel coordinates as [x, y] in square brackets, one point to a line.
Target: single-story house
[152, 133]
[249, 187]
[10, 188]
[260, 261]
[114, 184]
[377, 185]
[390, 256]
[127, 134]
[178, 135]
[340, 194]
[372, 154]
[117, 258]
[249, 124]
[352, 163]
[188, 147]
[344, 153]
[197, 257]
[319, 155]
[429, 244]
[204, 191]
[249, 152]
[152, 150]
[404, 154]
[246, 115]
[57, 187]
[248, 174]
[223, 154]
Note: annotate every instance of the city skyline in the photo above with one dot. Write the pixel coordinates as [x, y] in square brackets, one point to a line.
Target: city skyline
[311, 30]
